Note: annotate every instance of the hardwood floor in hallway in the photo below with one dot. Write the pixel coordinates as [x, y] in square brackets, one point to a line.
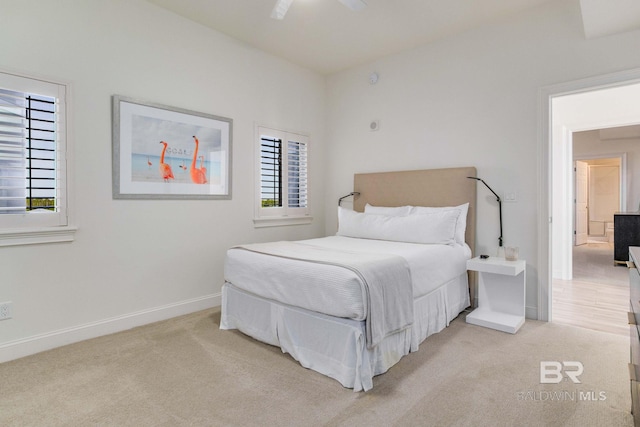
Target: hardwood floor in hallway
[598, 296]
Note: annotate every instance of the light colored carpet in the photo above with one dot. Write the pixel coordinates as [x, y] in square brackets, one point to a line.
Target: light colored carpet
[185, 371]
[593, 263]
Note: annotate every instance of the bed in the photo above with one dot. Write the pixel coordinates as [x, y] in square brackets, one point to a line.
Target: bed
[350, 306]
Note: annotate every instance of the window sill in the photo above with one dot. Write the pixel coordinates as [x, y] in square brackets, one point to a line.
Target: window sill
[282, 221]
[37, 236]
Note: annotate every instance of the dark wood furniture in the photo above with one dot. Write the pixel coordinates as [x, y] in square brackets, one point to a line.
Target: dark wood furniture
[626, 233]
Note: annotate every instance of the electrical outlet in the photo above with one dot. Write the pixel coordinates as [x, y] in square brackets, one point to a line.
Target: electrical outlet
[6, 310]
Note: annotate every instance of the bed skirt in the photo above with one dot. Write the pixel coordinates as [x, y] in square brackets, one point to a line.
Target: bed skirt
[335, 346]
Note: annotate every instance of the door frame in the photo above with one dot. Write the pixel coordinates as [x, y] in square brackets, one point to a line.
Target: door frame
[546, 95]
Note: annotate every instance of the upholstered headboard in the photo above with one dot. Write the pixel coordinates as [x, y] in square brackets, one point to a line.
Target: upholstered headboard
[429, 187]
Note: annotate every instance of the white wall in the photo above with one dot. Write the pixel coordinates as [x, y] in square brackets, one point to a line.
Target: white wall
[469, 100]
[135, 261]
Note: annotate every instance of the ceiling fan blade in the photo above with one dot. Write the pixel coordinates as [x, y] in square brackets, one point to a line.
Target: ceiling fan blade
[280, 9]
[354, 5]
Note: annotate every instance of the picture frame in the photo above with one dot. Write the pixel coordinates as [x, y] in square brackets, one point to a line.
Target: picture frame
[162, 152]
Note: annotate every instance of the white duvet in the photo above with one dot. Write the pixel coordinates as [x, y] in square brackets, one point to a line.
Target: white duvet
[335, 290]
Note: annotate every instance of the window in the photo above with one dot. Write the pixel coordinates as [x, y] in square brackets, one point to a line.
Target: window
[33, 194]
[283, 188]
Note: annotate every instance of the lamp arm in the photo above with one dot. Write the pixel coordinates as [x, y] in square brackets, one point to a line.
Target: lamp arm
[353, 193]
[499, 204]
[490, 189]
[500, 238]
[500, 208]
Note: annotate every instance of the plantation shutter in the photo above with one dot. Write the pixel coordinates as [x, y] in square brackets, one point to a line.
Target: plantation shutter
[297, 174]
[27, 152]
[282, 184]
[13, 133]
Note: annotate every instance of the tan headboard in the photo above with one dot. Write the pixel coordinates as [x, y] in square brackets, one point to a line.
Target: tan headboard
[429, 187]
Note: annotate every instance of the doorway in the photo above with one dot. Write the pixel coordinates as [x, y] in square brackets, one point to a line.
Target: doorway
[576, 107]
[596, 296]
[599, 184]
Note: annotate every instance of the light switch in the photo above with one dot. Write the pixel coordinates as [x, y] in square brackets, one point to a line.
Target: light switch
[510, 196]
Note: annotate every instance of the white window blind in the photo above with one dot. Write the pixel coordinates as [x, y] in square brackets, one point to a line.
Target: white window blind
[283, 185]
[297, 174]
[32, 153]
[27, 152]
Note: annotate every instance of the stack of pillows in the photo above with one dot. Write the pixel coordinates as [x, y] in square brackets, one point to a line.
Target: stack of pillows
[412, 224]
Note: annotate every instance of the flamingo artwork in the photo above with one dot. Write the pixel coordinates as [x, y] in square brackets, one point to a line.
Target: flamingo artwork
[165, 169]
[198, 176]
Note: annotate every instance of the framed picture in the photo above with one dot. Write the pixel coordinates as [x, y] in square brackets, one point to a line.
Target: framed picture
[162, 152]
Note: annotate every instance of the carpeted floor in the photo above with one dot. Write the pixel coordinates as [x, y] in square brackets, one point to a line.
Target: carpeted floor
[185, 371]
[593, 262]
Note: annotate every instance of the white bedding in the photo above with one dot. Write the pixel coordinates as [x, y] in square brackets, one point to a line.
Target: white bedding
[334, 290]
[336, 346]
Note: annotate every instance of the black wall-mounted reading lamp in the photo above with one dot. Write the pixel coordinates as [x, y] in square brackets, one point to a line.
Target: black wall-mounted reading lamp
[354, 193]
[499, 205]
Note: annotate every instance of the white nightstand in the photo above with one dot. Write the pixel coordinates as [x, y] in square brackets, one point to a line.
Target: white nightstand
[501, 293]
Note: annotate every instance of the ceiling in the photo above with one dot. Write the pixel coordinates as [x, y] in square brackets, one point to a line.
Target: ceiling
[325, 36]
[623, 132]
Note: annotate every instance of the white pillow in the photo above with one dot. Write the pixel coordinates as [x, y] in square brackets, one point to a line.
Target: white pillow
[461, 225]
[384, 210]
[436, 227]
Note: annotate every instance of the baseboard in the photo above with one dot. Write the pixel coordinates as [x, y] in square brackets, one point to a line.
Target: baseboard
[36, 344]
